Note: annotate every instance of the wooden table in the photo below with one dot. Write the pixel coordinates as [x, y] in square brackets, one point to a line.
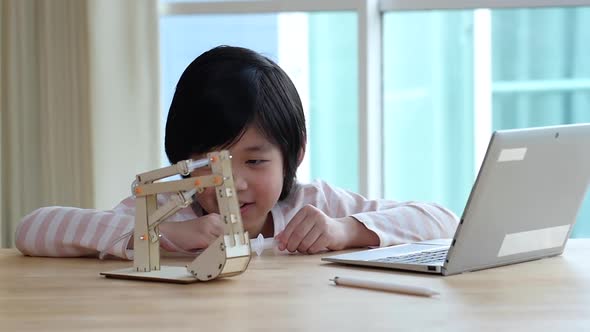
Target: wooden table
[280, 292]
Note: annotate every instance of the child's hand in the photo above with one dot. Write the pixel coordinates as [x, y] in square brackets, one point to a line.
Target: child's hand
[311, 231]
[194, 234]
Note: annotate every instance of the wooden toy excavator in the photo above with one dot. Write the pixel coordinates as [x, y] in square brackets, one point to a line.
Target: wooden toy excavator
[227, 256]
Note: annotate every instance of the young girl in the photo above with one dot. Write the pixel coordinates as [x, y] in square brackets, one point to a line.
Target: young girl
[236, 99]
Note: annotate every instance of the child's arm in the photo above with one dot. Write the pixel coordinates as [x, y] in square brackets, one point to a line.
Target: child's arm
[311, 231]
[350, 220]
[408, 222]
[191, 234]
[72, 232]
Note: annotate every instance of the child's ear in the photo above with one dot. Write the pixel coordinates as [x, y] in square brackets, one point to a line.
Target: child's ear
[300, 155]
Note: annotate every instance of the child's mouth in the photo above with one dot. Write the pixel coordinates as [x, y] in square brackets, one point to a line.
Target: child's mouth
[244, 207]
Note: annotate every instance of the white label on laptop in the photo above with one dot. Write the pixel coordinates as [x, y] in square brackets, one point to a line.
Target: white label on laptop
[539, 239]
[512, 154]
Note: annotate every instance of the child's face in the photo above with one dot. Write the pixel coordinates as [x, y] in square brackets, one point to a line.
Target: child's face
[258, 176]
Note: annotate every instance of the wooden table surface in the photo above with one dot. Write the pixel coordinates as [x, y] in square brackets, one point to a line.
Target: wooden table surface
[292, 292]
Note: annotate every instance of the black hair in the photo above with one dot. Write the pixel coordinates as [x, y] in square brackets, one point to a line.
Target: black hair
[223, 92]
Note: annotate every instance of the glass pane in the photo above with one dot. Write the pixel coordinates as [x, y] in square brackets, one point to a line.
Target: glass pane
[428, 113]
[533, 90]
[540, 76]
[541, 72]
[333, 98]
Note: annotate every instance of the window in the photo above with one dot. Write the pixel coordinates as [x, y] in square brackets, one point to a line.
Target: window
[450, 75]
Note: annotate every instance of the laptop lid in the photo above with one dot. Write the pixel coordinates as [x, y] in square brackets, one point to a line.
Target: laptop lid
[526, 198]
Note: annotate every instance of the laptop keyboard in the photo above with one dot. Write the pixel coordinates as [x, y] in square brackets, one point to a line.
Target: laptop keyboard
[423, 257]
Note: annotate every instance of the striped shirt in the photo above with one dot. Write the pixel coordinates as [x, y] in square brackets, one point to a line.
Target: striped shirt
[71, 232]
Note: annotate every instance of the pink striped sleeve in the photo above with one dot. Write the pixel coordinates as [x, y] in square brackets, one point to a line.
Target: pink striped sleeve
[393, 222]
[71, 232]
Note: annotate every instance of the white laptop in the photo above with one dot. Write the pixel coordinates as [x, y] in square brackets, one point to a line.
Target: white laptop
[522, 206]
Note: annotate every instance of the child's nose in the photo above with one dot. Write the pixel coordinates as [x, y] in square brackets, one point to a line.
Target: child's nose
[240, 182]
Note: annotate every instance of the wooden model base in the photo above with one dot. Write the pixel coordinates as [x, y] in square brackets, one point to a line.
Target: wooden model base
[173, 274]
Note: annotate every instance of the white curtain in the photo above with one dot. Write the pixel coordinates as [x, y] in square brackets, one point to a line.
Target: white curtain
[79, 103]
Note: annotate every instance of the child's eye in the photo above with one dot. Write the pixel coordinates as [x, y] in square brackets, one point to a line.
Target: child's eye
[256, 162]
